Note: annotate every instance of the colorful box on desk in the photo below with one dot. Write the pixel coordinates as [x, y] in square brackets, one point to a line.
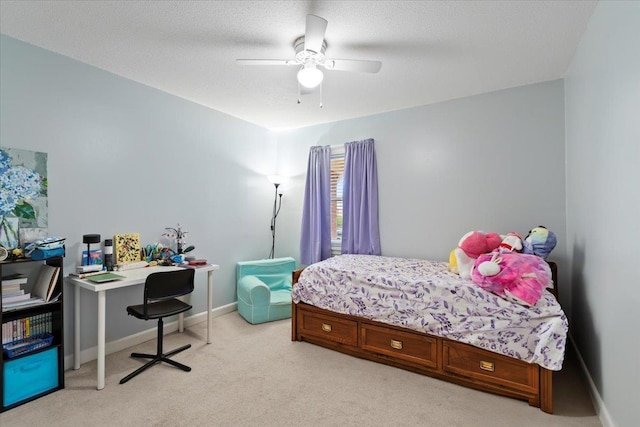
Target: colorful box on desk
[30, 376]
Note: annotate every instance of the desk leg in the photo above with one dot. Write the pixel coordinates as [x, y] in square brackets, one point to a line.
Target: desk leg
[101, 337]
[181, 322]
[76, 327]
[209, 303]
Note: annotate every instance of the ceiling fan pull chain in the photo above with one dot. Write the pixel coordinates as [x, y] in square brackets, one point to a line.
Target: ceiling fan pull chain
[321, 95]
[299, 101]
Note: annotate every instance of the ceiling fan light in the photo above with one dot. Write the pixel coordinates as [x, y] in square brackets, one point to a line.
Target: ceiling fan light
[310, 76]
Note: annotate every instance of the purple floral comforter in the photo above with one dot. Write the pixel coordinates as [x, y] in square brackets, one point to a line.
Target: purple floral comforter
[424, 296]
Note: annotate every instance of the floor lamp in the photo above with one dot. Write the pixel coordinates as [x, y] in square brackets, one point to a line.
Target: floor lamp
[277, 203]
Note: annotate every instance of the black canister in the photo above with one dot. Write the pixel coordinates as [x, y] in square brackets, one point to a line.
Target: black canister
[108, 254]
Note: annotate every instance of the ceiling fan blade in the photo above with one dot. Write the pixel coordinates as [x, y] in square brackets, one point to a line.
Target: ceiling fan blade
[352, 65]
[314, 33]
[266, 62]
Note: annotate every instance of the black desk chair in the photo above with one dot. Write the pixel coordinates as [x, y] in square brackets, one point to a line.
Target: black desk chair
[160, 292]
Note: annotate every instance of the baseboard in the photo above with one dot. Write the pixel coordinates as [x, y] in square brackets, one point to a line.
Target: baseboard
[90, 354]
[598, 403]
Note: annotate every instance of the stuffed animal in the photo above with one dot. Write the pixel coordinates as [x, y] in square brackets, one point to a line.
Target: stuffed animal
[453, 262]
[540, 241]
[511, 242]
[521, 278]
[490, 267]
[470, 247]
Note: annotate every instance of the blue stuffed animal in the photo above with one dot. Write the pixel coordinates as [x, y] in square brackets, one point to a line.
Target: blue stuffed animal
[540, 241]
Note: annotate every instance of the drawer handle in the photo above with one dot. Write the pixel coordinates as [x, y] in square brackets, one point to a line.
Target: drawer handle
[396, 344]
[326, 327]
[487, 366]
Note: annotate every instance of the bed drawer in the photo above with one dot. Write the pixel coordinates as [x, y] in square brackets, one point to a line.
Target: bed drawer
[414, 348]
[331, 328]
[461, 359]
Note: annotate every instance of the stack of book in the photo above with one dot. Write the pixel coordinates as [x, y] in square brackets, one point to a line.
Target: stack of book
[13, 292]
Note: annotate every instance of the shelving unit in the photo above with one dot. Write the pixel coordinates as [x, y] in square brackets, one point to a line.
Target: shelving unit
[39, 371]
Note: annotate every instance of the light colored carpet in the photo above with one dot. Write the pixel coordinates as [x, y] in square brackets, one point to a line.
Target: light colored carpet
[254, 375]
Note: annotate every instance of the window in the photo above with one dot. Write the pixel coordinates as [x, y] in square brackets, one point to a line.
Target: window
[337, 185]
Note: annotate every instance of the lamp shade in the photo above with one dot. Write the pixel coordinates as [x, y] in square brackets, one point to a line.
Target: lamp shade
[310, 76]
[91, 238]
[275, 179]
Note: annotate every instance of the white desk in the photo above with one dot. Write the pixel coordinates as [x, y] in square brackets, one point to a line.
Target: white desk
[132, 277]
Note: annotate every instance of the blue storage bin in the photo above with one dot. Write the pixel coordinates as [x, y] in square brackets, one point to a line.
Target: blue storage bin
[30, 375]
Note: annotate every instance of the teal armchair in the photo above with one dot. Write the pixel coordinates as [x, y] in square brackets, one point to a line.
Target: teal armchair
[264, 289]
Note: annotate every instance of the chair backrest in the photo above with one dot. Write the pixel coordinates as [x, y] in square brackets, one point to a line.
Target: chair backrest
[275, 273]
[168, 284]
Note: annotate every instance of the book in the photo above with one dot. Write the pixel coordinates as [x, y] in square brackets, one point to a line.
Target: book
[9, 288]
[52, 284]
[46, 281]
[13, 276]
[105, 277]
[85, 275]
[88, 268]
[12, 292]
[30, 301]
[19, 280]
[55, 297]
[15, 298]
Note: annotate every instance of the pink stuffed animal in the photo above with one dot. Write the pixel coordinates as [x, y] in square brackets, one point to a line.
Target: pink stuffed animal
[522, 278]
[470, 247]
[511, 242]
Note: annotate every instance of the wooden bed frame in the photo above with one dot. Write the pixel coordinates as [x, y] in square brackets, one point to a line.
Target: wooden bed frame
[425, 354]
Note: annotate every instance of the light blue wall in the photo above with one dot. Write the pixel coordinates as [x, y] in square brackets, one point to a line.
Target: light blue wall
[123, 157]
[493, 162]
[602, 99]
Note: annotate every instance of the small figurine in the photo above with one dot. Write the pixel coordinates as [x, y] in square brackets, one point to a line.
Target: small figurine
[178, 235]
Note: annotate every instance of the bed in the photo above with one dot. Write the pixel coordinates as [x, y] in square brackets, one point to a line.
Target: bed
[417, 315]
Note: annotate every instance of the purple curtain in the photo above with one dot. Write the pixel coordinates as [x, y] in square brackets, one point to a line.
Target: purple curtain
[360, 232]
[315, 243]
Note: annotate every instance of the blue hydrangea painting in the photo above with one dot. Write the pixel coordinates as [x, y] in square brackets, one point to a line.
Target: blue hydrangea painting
[23, 193]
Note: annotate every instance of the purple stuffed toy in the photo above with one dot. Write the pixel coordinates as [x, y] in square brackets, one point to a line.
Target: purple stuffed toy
[521, 278]
[540, 241]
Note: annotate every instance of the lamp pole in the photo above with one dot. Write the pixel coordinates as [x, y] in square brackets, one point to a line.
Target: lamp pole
[276, 210]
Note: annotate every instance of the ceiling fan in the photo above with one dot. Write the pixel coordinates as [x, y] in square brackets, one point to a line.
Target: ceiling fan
[310, 54]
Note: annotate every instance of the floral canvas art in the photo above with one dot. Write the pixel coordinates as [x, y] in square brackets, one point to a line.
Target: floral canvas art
[23, 193]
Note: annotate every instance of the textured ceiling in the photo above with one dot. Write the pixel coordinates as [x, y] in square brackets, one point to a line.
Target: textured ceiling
[431, 51]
